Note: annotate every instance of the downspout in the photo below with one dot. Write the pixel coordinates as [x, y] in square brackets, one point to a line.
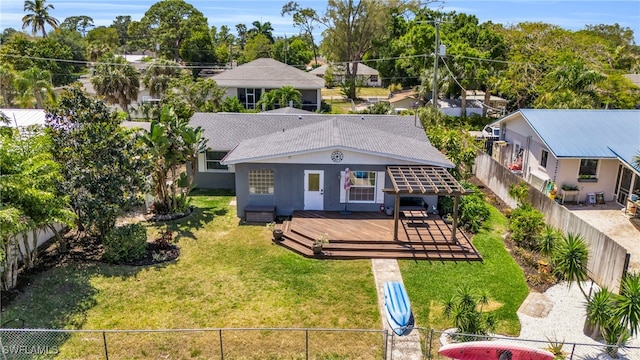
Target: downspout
[525, 161]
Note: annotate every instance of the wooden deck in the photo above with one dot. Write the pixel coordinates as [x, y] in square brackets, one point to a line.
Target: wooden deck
[368, 235]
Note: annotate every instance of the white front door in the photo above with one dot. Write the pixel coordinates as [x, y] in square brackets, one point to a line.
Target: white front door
[314, 190]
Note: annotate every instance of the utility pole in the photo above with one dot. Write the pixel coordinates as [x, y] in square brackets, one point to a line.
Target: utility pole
[434, 92]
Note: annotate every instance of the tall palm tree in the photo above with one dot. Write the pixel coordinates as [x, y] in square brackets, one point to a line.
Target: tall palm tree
[38, 16]
[34, 84]
[288, 94]
[158, 76]
[265, 29]
[117, 81]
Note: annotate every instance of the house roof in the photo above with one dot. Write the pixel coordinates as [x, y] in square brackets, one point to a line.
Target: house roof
[267, 74]
[336, 133]
[24, 117]
[399, 96]
[585, 133]
[226, 130]
[289, 110]
[363, 70]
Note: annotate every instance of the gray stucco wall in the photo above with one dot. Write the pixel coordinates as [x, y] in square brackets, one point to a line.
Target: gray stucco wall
[288, 193]
[213, 180]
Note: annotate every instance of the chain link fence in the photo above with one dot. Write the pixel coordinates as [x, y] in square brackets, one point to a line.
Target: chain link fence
[255, 343]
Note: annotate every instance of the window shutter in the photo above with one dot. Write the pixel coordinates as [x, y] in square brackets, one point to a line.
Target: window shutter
[202, 166]
[379, 187]
[343, 192]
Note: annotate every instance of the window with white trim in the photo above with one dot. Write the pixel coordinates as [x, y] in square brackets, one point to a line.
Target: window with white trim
[588, 169]
[212, 160]
[363, 186]
[261, 182]
[544, 157]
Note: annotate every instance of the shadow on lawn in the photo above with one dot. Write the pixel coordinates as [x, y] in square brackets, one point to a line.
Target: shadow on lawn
[204, 212]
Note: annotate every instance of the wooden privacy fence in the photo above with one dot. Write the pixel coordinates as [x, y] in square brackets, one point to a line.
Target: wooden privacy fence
[607, 259]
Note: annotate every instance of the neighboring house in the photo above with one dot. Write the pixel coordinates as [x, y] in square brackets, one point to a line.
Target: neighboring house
[404, 100]
[496, 106]
[367, 75]
[298, 162]
[249, 81]
[453, 107]
[591, 149]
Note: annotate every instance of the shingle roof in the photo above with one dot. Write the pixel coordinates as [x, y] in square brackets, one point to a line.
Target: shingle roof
[289, 110]
[586, 133]
[337, 133]
[268, 74]
[226, 130]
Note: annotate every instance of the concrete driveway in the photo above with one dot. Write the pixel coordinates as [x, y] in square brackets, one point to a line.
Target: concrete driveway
[613, 222]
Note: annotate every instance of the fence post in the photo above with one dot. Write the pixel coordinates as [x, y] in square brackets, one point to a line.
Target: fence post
[573, 350]
[221, 347]
[385, 346]
[104, 341]
[430, 347]
[306, 343]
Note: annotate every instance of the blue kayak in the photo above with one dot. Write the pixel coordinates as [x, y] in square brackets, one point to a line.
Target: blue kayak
[397, 308]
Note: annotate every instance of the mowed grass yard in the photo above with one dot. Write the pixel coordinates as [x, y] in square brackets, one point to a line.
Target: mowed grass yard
[232, 276]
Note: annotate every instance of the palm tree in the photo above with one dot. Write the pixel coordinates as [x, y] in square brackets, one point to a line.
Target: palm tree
[34, 83]
[159, 74]
[570, 260]
[117, 81]
[289, 94]
[38, 16]
[265, 29]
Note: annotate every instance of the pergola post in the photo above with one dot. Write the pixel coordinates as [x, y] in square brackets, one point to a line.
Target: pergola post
[396, 217]
[456, 200]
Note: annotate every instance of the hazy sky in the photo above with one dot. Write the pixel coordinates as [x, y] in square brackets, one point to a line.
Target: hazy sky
[573, 15]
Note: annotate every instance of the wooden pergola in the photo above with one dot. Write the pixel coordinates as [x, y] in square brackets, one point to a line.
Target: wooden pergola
[423, 180]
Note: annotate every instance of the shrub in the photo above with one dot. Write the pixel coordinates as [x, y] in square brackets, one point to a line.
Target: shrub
[466, 310]
[125, 244]
[473, 211]
[525, 224]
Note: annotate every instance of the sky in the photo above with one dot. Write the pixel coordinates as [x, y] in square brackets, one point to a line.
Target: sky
[568, 14]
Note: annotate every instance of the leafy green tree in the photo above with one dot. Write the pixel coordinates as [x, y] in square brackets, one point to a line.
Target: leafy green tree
[258, 46]
[242, 31]
[104, 35]
[159, 75]
[170, 22]
[103, 165]
[7, 84]
[172, 142]
[571, 85]
[231, 104]
[198, 50]
[351, 27]
[38, 16]
[139, 37]
[570, 260]
[28, 197]
[77, 45]
[117, 81]
[77, 23]
[97, 51]
[293, 51]
[305, 19]
[7, 34]
[469, 317]
[121, 24]
[202, 95]
[34, 85]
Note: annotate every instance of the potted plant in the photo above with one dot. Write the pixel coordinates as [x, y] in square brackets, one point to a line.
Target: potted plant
[319, 242]
[277, 233]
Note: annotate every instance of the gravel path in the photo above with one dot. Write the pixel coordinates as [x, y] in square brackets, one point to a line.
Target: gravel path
[565, 321]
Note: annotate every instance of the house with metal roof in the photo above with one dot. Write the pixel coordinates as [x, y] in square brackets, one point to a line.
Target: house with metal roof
[594, 150]
[294, 162]
[367, 75]
[249, 81]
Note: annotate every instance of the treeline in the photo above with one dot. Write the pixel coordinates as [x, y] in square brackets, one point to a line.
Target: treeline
[530, 64]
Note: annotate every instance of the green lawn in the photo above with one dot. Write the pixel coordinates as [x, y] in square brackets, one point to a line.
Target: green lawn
[231, 276]
[429, 283]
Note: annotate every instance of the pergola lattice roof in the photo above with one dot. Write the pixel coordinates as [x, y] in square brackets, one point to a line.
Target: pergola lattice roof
[427, 180]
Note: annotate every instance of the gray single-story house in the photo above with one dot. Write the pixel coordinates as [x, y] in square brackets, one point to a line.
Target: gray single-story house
[249, 81]
[299, 161]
